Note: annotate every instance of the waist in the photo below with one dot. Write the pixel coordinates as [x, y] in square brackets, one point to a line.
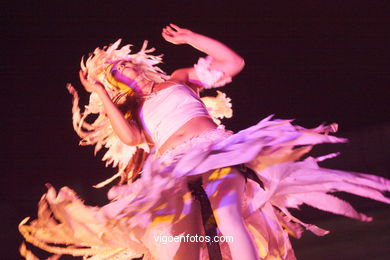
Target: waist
[202, 141]
[193, 128]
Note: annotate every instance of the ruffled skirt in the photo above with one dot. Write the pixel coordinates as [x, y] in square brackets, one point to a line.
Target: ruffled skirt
[159, 201]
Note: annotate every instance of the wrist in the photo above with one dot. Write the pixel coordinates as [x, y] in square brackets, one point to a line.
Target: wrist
[100, 90]
[191, 38]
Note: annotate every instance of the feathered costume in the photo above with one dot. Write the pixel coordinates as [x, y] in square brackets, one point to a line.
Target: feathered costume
[143, 208]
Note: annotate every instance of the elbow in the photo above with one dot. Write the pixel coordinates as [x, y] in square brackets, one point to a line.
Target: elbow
[127, 140]
[131, 140]
[240, 63]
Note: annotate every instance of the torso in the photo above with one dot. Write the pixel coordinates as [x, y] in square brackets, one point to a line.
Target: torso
[190, 129]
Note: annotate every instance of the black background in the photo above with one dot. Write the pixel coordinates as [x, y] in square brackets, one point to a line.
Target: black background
[315, 61]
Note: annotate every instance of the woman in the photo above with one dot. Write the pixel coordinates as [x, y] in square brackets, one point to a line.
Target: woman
[225, 61]
[165, 117]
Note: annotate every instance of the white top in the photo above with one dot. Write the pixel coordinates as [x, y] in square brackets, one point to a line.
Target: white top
[165, 111]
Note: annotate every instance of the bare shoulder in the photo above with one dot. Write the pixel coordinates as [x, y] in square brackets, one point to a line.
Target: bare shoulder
[186, 76]
[181, 75]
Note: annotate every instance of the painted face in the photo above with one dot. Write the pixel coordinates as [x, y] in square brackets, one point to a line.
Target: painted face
[127, 73]
[127, 69]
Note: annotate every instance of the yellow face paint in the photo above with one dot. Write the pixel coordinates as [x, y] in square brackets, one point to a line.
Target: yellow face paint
[117, 83]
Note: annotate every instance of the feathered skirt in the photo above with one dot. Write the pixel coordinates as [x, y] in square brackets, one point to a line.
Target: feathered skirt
[143, 212]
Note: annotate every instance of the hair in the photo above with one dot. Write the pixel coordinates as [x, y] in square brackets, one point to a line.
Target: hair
[101, 66]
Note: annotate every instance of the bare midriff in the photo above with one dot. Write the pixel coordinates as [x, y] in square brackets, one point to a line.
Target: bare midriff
[193, 128]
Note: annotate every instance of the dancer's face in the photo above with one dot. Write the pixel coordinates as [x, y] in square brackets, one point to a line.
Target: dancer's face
[127, 73]
[127, 70]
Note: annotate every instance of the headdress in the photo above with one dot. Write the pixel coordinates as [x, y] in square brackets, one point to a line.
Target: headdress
[100, 133]
[100, 63]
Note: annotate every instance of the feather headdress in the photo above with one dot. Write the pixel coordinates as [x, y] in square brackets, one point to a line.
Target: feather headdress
[100, 133]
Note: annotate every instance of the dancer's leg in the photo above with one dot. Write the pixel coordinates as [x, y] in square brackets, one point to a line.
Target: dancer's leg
[225, 190]
[191, 225]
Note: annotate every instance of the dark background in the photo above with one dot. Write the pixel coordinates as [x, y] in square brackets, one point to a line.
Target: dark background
[315, 61]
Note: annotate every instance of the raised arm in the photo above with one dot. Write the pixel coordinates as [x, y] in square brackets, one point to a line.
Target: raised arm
[127, 131]
[224, 58]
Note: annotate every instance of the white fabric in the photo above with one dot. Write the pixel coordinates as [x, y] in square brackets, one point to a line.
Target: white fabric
[208, 136]
[165, 111]
[208, 77]
[155, 203]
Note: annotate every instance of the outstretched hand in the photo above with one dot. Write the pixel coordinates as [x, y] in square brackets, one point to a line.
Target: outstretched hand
[176, 35]
[90, 87]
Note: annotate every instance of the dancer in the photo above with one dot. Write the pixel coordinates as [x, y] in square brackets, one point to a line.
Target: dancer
[167, 144]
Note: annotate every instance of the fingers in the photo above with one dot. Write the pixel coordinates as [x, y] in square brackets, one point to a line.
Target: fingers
[169, 31]
[174, 34]
[174, 26]
[83, 73]
[166, 35]
[84, 81]
[82, 76]
[165, 31]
